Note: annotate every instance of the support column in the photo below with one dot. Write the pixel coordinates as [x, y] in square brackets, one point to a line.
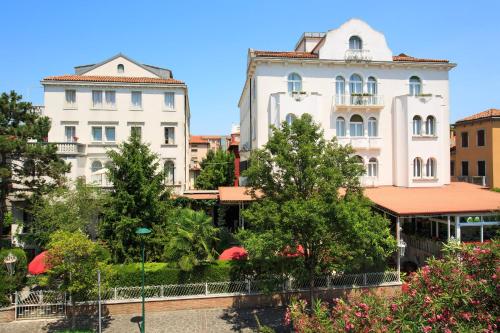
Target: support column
[449, 227]
[457, 227]
[437, 229]
[398, 238]
[482, 229]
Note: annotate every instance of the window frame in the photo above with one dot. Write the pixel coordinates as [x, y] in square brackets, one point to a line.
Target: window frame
[484, 166]
[356, 84]
[464, 144]
[357, 125]
[92, 133]
[70, 105]
[417, 120]
[166, 136]
[72, 139]
[417, 170]
[136, 127]
[432, 120]
[483, 138]
[168, 181]
[373, 167]
[165, 105]
[132, 105]
[120, 68]
[464, 162]
[352, 43]
[415, 87]
[340, 121]
[294, 83]
[372, 127]
[292, 118]
[431, 168]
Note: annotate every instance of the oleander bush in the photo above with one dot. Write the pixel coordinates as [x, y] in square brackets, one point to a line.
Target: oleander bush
[458, 293]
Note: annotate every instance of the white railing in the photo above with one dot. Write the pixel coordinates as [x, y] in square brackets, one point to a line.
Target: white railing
[426, 245]
[361, 100]
[70, 148]
[361, 142]
[101, 180]
[478, 180]
[357, 55]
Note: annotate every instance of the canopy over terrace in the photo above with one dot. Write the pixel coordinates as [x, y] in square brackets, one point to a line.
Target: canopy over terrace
[237, 196]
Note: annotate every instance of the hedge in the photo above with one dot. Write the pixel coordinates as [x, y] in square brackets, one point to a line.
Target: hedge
[8, 283]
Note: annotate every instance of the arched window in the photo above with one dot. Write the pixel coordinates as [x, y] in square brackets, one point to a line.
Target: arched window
[373, 167]
[371, 85]
[96, 166]
[356, 84]
[120, 68]
[372, 127]
[340, 90]
[169, 172]
[340, 126]
[355, 43]
[356, 126]
[290, 118]
[415, 86]
[417, 125]
[359, 159]
[430, 125]
[431, 168]
[294, 83]
[417, 167]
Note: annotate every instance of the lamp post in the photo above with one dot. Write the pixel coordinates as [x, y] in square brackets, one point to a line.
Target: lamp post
[10, 261]
[142, 232]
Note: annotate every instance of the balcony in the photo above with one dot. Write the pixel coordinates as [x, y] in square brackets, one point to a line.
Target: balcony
[70, 148]
[100, 179]
[361, 142]
[357, 55]
[359, 101]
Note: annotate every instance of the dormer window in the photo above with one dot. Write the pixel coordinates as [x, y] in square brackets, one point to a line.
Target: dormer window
[120, 68]
[294, 83]
[355, 43]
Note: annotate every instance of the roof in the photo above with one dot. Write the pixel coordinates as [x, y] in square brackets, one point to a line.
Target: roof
[236, 194]
[456, 198]
[99, 78]
[200, 196]
[407, 58]
[197, 139]
[490, 113]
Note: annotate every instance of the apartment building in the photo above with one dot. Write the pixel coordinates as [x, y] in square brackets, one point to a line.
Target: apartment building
[101, 105]
[476, 153]
[393, 109]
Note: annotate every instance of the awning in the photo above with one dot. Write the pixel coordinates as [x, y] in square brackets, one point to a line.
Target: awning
[236, 194]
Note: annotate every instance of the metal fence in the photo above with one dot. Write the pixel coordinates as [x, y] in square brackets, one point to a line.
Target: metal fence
[40, 304]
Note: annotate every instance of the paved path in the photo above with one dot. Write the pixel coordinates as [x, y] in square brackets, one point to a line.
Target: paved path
[192, 321]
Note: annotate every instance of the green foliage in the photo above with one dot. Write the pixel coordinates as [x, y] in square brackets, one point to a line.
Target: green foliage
[217, 169]
[138, 199]
[10, 283]
[191, 240]
[27, 163]
[300, 175]
[68, 209]
[74, 260]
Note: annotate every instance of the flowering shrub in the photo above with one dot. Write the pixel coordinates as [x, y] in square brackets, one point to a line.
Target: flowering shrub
[458, 293]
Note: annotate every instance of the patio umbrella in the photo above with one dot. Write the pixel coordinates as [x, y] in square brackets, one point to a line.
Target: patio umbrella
[299, 251]
[38, 264]
[234, 253]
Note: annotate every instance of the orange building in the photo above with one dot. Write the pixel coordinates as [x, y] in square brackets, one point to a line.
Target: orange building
[476, 154]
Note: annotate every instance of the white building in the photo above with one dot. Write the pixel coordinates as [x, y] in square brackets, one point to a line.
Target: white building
[394, 110]
[100, 105]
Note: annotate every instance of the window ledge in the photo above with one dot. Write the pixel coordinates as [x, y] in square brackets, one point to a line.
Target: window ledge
[425, 180]
[103, 109]
[168, 110]
[424, 136]
[168, 145]
[103, 144]
[70, 107]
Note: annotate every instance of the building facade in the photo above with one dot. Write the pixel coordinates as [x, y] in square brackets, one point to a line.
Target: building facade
[393, 110]
[476, 153]
[101, 105]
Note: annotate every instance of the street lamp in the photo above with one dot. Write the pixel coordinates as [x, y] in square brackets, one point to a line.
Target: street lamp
[10, 261]
[142, 232]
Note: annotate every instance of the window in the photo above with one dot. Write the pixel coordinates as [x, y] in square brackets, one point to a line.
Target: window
[136, 131]
[96, 166]
[430, 126]
[169, 100]
[417, 125]
[415, 86]
[96, 133]
[356, 84]
[340, 126]
[290, 118]
[430, 168]
[465, 139]
[356, 126]
[373, 167]
[70, 133]
[96, 98]
[452, 168]
[169, 133]
[70, 96]
[481, 168]
[371, 85]
[372, 127]
[169, 173]
[294, 83]
[355, 43]
[340, 89]
[120, 69]
[417, 167]
[110, 133]
[480, 138]
[465, 168]
[110, 98]
[136, 99]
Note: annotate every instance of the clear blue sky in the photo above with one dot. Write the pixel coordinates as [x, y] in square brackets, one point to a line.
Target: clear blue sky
[205, 43]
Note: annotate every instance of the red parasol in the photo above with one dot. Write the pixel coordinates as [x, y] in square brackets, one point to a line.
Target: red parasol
[234, 253]
[38, 264]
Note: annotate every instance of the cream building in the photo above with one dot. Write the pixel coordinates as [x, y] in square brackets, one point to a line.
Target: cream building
[394, 110]
[100, 105]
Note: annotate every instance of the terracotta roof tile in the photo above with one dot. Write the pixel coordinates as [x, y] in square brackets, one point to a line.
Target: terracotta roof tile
[197, 139]
[407, 58]
[285, 54]
[99, 78]
[482, 115]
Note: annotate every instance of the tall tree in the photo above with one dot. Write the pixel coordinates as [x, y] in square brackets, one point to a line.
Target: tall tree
[28, 165]
[312, 197]
[138, 199]
[217, 169]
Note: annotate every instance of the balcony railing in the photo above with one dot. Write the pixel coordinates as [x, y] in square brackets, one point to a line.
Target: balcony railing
[422, 244]
[478, 180]
[359, 100]
[101, 180]
[357, 55]
[70, 148]
[361, 142]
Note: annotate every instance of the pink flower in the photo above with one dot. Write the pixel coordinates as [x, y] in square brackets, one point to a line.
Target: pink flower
[426, 329]
[358, 314]
[394, 307]
[466, 315]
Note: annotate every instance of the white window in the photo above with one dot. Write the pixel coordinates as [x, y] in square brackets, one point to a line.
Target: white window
[356, 126]
[136, 99]
[371, 85]
[96, 166]
[96, 133]
[169, 134]
[169, 100]
[340, 89]
[415, 86]
[169, 173]
[294, 83]
[110, 133]
[97, 175]
[431, 168]
[136, 130]
[417, 125]
[355, 43]
[70, 133]
[70, 96]
[340, 126]
[430, 126]
[97, 98]
[373, 167]
[417, 167]
[356, 84]
[372, 127]
[290, 118]
[120, 69]
[110, 98]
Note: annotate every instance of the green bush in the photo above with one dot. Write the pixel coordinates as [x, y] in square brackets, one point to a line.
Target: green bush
[8, 283]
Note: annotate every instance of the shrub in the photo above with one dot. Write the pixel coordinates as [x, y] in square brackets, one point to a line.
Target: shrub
[8, 283]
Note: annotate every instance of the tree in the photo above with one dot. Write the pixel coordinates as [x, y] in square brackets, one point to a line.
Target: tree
[217, 169]
[192, 239]
[311, 196]
[68, 209]
[28, 165]
[138, 199]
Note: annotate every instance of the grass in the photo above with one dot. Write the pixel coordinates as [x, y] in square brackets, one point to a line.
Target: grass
[74, 331]
[496, 189]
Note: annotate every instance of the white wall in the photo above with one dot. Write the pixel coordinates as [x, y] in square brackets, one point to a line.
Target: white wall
[130, 69]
